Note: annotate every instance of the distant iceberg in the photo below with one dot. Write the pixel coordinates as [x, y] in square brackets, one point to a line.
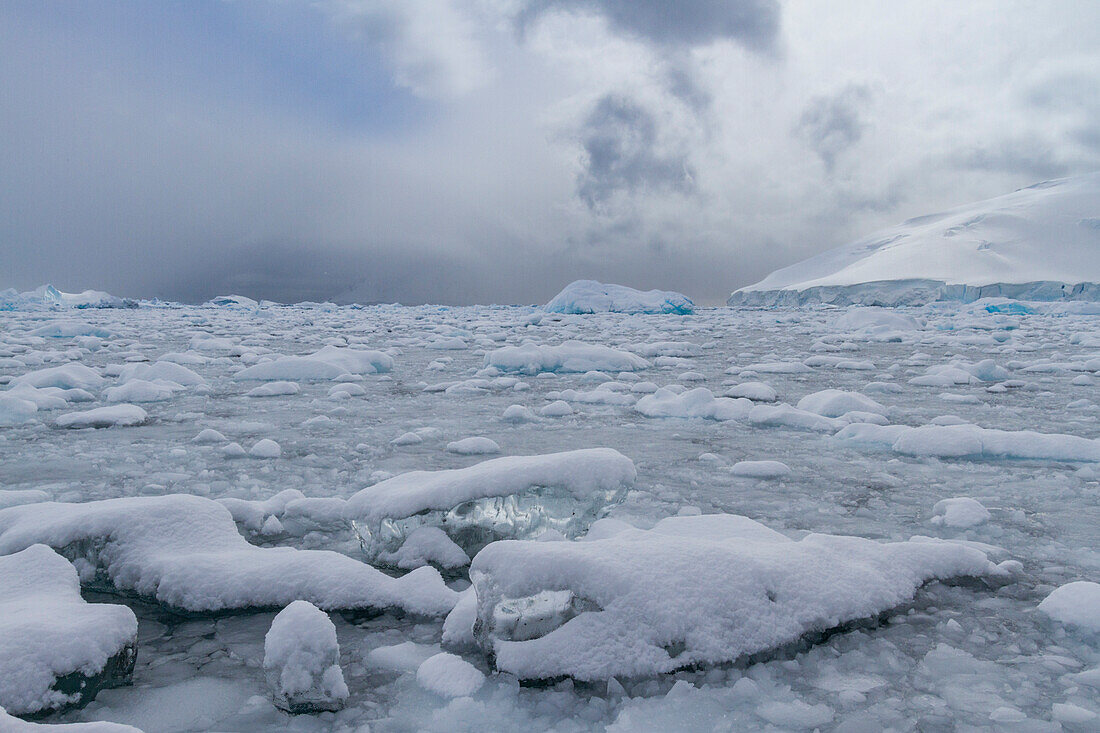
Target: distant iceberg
[589, 296]
[47, 296]
[1038, 243]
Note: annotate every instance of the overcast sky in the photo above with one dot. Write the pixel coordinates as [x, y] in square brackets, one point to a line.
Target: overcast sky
[476, 151]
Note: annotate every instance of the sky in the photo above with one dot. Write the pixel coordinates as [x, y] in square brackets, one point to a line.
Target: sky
[492, 151]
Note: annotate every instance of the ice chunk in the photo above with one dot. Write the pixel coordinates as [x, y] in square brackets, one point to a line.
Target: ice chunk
[571, 356]
[328, 363]
[449, 675]
[557, 408]
[162, 370]
[56, 650]
[123, 415]
[473, 447]
[760, 469]
[15, 410]
[589, 296]
[698, 402]
[426, 546]
[186, 552]
[11, 724]
[693, 590]
[139, 390]
[1075, 604]
[755, 391]
[302, 661]
[513, 496]
[274, 389]
[66, 376]
[518, 414]
[835, 403]
[265, 448]
[961, 513]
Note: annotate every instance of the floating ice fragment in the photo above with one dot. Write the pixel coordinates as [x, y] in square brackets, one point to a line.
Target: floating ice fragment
[302, 661]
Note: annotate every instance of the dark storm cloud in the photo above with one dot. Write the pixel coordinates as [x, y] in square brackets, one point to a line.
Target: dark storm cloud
[753, 23]
[620, 142]
[832, 124]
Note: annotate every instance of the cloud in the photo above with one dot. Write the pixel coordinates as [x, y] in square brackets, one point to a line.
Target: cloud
[622, 154]
[431, 45]
[832, 124]
[752, 23]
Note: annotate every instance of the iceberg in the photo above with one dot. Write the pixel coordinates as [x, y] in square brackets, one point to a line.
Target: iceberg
[589, 296]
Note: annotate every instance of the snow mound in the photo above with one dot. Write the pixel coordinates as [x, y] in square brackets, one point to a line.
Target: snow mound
[692, 590]
[186, 552]
[327, 364]
[589, 296]
[56, 650]
[571, 356]
[961, 513]
[997, 247]
[475, 446]
[1075, 604]
[448, 675]
[512, 496]
[302, 661]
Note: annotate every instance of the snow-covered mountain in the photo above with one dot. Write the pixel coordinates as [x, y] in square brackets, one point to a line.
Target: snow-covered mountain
[1040, 242]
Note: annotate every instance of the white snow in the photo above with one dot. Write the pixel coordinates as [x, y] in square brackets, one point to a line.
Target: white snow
[302, 660]
[185, 551]
[1075, 604]
[449, 675]
[589, 296]
[48, 631]
[702, 589]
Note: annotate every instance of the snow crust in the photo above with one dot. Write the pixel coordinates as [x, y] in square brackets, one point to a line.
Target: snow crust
[589, 296]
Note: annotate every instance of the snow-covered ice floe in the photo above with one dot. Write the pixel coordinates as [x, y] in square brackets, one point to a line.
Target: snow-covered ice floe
[185, 552]
[972, 441]
[328, 363]
[589, 296]
[690, 591]
[56, 650]
[509, 497]
[571, 356]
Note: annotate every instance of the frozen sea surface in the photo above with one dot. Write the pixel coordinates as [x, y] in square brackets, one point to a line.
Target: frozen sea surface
[957, 657]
